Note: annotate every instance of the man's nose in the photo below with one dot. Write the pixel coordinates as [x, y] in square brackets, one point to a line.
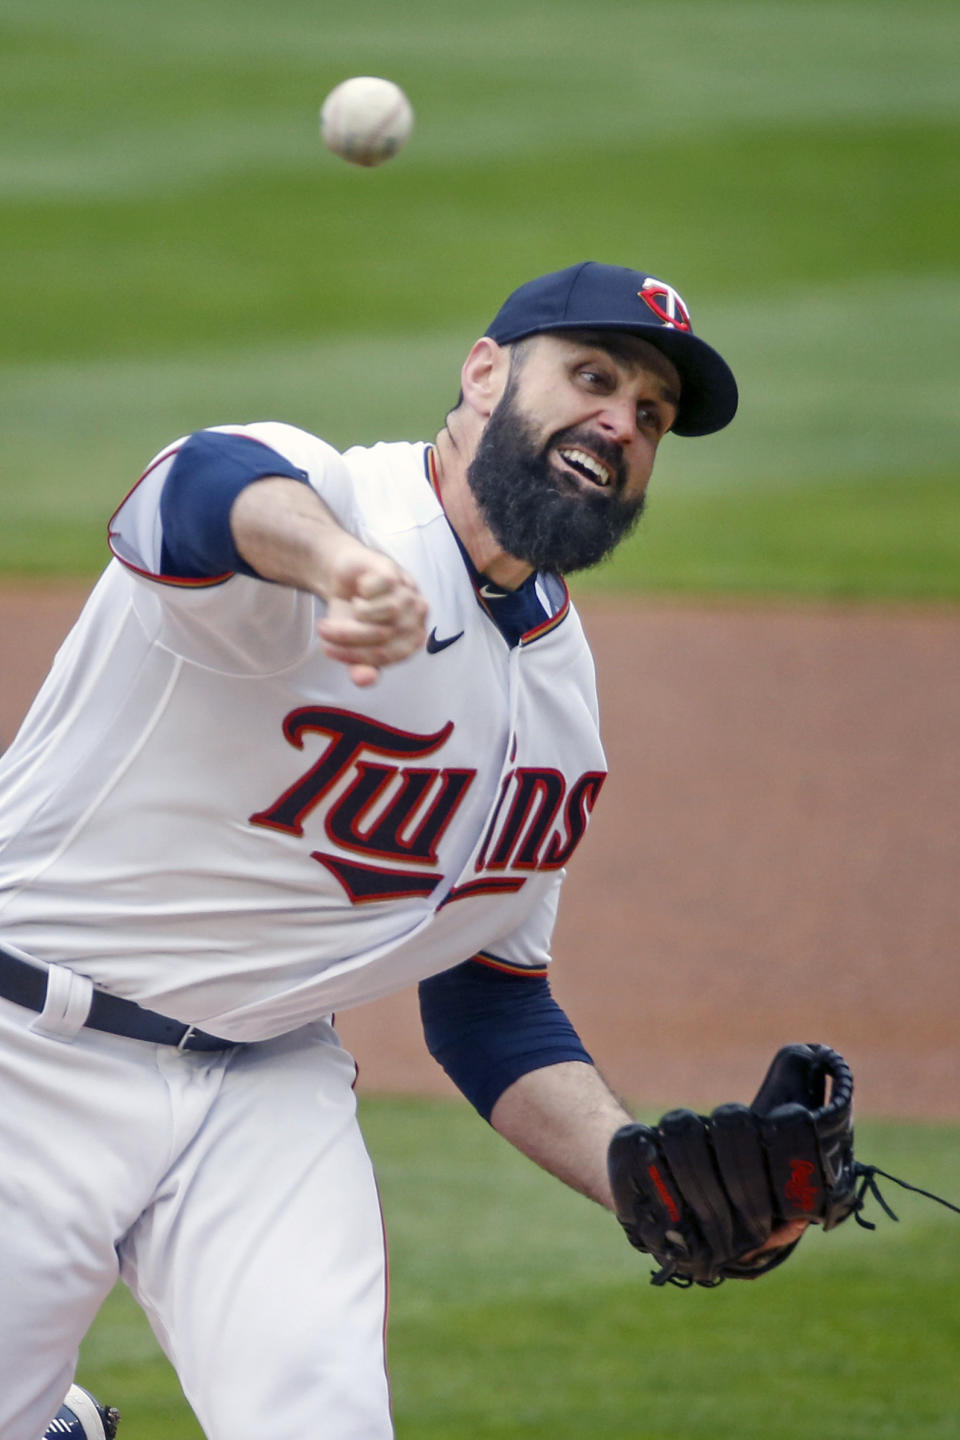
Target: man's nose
[619, 421]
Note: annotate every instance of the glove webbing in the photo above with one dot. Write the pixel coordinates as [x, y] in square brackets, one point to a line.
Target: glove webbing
[667, 1275]
[867, 1175]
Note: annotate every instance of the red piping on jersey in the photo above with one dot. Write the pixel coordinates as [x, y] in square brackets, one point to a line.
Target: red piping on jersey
[552, 621]
[203, 582]
[430, 462]
[493, 962]
[487, 886]
[545, 626]
[386, 1296]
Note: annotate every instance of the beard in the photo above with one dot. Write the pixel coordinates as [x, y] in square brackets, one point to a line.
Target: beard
[537, 513]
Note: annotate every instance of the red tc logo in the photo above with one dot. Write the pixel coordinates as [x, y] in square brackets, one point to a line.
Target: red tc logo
[665, 303]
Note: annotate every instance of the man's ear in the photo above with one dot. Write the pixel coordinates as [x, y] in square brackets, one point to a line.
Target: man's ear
[484, 375]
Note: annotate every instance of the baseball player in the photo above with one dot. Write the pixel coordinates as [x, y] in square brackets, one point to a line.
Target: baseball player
[326, 728]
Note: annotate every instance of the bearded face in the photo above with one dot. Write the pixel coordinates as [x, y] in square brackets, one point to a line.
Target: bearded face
[536, 510]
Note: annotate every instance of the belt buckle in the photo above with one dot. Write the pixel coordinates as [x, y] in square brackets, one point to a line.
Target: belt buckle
[183, 1044]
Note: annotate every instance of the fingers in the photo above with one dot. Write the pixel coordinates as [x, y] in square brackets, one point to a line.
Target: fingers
[787, 1234]
[363, 675]
[375, 616]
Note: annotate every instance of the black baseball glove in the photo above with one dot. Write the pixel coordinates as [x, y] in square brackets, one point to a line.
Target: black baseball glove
[702, 1193]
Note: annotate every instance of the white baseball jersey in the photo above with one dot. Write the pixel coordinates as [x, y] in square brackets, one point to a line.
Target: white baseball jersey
[201, 812]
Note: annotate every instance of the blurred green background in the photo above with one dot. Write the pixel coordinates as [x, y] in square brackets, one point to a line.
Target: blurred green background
[178, 250]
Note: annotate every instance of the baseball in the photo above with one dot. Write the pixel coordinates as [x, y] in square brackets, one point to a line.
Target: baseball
[366, 120]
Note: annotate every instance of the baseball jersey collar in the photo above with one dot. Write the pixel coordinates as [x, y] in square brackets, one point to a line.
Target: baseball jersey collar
[520, 615]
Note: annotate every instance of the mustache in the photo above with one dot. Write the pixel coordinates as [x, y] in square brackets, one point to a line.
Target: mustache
[606, 450]
[534, 512]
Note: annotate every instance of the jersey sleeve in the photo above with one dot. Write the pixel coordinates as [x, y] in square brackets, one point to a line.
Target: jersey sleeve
[527, 950]
[171, 536]
[208, 473]
[173, 527]
[488, 1026]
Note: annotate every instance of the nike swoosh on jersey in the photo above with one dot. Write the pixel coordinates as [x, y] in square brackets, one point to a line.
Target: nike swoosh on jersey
[488, 593]
[435, 645]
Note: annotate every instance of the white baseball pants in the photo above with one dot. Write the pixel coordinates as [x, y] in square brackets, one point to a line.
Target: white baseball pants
[233, 1193]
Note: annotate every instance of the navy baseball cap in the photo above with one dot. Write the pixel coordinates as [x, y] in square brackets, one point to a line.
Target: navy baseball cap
[591, 296]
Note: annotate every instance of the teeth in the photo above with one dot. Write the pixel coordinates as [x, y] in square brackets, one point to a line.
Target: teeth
[590, 463]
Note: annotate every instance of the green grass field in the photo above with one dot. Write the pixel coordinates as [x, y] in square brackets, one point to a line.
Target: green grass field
[518, 1310]
[176, 250]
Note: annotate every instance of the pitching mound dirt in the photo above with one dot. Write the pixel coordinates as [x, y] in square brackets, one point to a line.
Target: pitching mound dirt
[775, 855]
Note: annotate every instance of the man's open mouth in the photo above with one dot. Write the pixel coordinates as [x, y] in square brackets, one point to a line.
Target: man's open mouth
[587, 466]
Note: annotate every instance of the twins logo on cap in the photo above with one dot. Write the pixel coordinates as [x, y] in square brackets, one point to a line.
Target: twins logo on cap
[666, 304]
[592, 296]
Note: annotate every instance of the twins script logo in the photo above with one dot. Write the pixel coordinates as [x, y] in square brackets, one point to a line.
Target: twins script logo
[665, 303]
[800, 1190]
[392, 815]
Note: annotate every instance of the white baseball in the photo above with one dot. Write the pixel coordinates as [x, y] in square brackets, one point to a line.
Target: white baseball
[366, 120]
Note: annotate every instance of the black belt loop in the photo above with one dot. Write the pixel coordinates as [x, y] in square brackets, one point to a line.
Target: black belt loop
[26, 985]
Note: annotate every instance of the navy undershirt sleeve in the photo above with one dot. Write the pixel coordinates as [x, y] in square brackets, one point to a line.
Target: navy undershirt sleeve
[210, 470]
[487, 1027]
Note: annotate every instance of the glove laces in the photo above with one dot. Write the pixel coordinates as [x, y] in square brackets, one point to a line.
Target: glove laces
[867, 1175]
